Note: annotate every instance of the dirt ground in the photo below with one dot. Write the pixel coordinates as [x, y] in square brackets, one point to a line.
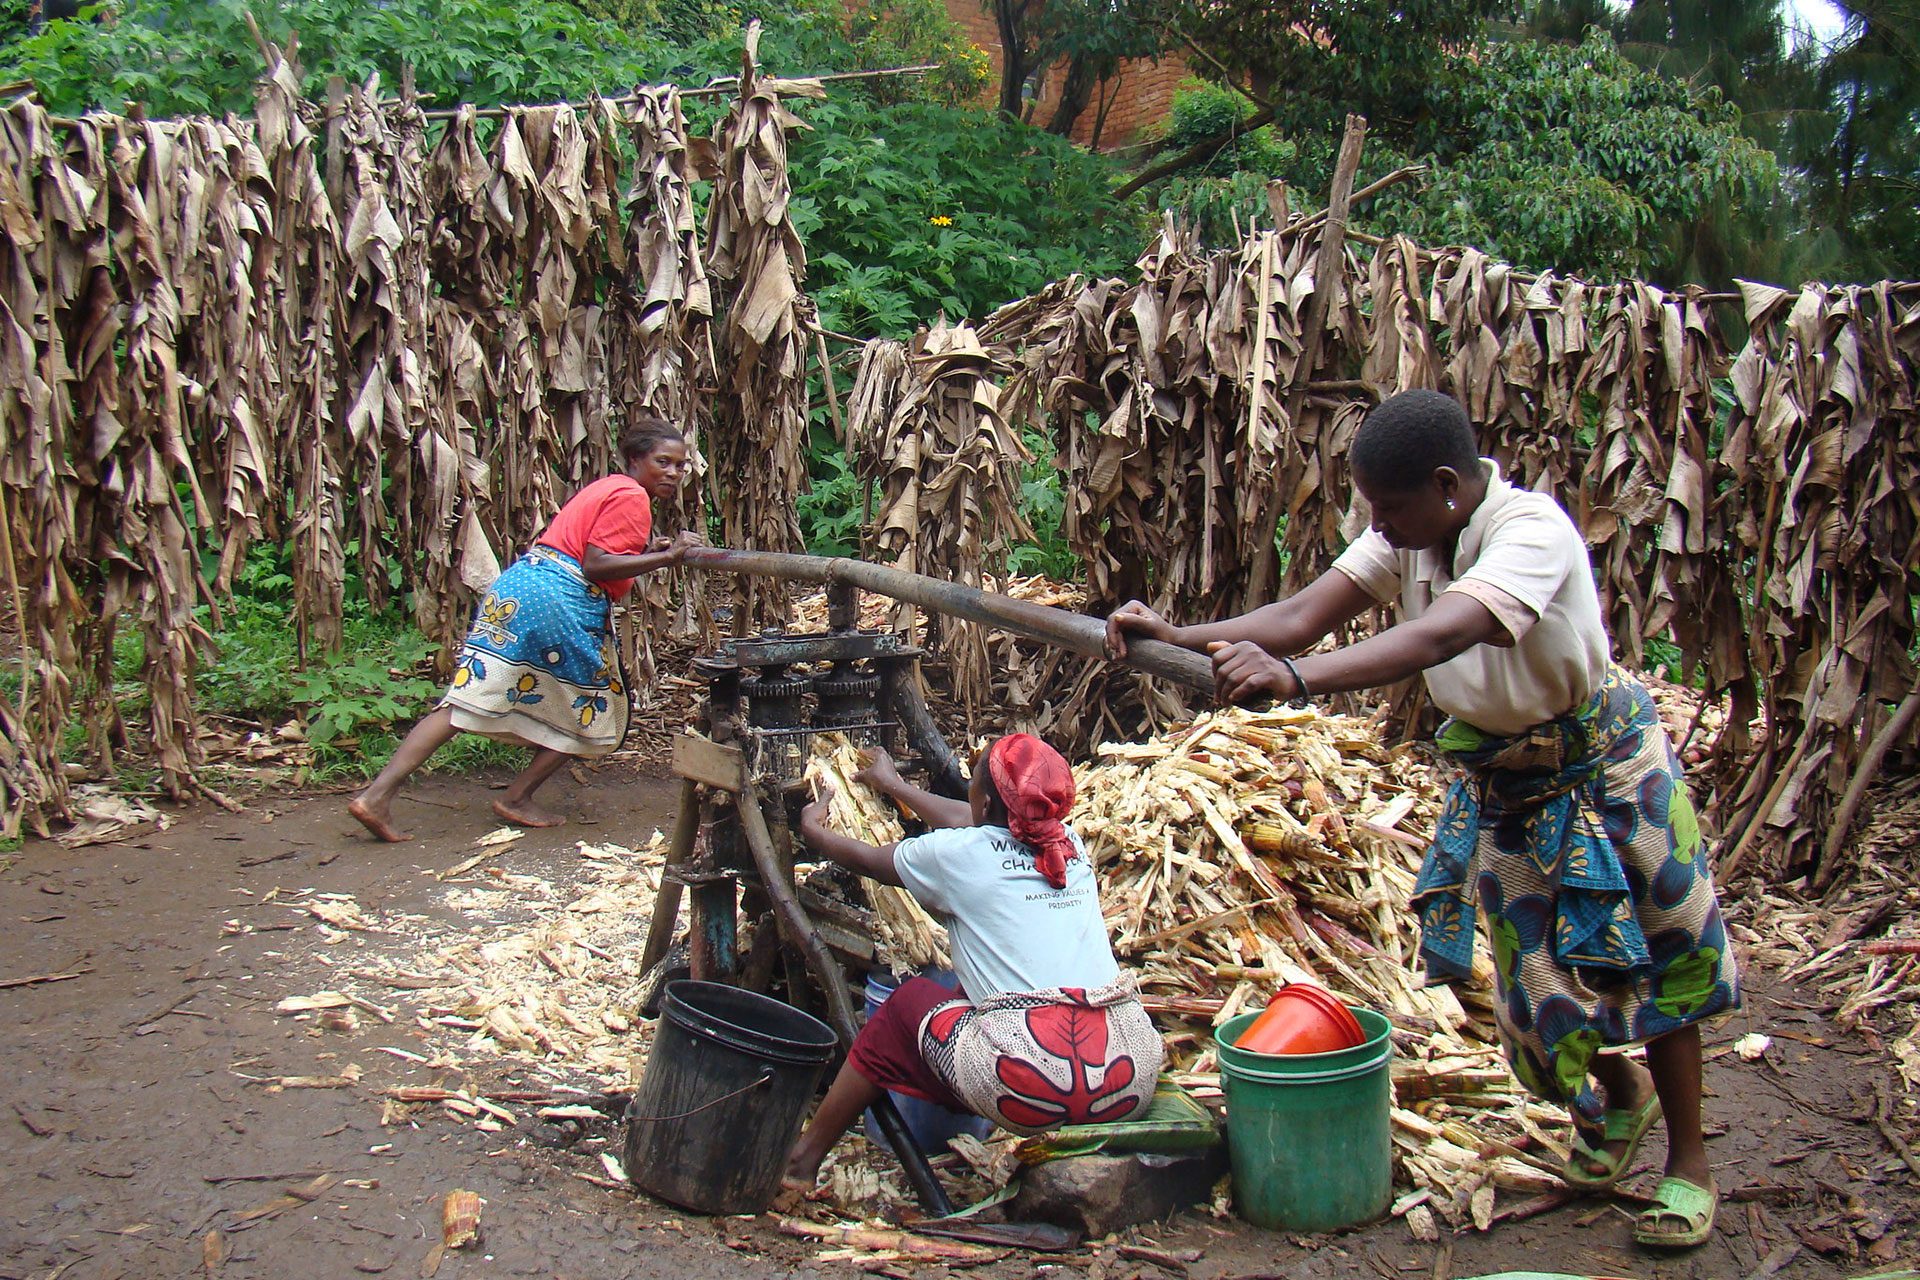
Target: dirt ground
[142, 1135]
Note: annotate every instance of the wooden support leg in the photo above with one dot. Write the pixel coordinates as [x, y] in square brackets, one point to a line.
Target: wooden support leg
[666, 905]
[756, 971]
[714, 939]
[799, 929]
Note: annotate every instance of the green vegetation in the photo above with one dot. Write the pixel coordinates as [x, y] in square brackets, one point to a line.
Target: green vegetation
[916, 210]
[1678, 140]
[1842, 117]
[834, 507]
[1567, 157]
[181, 57]
[352, 704]
[1044, 506]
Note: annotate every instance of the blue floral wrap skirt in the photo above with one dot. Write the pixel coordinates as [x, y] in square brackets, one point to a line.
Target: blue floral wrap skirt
[539, 666]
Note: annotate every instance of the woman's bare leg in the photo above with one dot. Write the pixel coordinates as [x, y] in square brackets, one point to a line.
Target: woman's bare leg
[851, 1094]
[1675, 1062]
[516, 803]
[372, 807]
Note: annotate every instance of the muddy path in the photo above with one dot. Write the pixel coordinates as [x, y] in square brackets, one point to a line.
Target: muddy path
[156, 1119]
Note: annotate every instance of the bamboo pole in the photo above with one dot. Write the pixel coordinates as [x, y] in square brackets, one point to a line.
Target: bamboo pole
[1061, 627]
[1863, 777]
[718, 89]
[1328, 279]
[715, 90]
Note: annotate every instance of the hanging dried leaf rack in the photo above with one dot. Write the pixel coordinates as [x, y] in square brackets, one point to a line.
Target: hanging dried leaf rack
[1758, 505]
[330, 328]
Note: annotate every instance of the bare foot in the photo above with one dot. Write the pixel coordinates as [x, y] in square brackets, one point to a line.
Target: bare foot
[376, 819]
[527, 814]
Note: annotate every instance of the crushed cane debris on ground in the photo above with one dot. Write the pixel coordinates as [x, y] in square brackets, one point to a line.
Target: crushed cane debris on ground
[1235, 852]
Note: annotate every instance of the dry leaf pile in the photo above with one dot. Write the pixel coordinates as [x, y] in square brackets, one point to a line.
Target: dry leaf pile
[663, 356]
[932, 438]
[760, 423]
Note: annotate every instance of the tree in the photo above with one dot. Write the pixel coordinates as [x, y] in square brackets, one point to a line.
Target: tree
[1566, 157]
[1575, 158]
[1860, 154]
[1741, 48]
[1316, 60]
[1092, 36]
[1567, 20]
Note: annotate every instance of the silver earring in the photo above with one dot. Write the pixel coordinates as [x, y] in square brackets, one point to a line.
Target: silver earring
[1449, 504]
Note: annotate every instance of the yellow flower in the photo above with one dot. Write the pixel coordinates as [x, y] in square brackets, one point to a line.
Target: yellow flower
[496, 613]
[941, 220]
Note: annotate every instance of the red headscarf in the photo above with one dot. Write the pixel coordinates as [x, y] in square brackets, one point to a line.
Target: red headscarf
[1036, 785]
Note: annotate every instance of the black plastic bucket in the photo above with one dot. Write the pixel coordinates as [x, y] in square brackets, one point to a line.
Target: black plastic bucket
[725, 1092]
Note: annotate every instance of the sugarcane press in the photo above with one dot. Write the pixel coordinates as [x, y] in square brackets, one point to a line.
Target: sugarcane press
[741, 771]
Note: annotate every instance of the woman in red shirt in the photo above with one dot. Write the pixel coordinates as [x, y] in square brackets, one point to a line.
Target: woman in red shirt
[539, 666]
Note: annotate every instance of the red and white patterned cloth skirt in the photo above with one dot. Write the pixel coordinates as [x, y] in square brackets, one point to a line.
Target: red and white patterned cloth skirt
[1032, 1061]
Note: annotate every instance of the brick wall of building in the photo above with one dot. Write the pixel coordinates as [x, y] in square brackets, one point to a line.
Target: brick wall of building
[1141, 94]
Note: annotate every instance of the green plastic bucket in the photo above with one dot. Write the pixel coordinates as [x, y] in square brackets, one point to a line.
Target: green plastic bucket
[1310, 1135]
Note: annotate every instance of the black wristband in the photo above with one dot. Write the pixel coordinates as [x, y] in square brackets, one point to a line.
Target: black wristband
[1300, 690]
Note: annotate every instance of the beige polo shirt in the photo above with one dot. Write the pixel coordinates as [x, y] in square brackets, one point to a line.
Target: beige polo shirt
[1522, 557]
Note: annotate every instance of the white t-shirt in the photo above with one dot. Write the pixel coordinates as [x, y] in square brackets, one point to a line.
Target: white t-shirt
[1010, 929]
[1522, 557]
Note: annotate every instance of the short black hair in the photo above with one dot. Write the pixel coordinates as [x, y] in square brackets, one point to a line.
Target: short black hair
[646, 434]
[1408, 437]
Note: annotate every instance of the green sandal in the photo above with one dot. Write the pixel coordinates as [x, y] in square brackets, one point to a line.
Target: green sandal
[1677, 1201]
[1618, 1126]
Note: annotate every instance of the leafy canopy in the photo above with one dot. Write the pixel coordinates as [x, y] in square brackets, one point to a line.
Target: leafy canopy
[1861, 147]
[1315, 60]
[191, 57]
[1546, 155]
[915, 210]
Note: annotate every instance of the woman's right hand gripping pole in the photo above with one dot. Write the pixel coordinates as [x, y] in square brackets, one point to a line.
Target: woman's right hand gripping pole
[1135, 619]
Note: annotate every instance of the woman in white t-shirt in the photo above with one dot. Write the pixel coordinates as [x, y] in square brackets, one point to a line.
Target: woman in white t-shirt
[1570, 831]
[1046, 1030]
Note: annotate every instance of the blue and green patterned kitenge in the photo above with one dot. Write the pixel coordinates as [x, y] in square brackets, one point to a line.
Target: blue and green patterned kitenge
[1577, 844]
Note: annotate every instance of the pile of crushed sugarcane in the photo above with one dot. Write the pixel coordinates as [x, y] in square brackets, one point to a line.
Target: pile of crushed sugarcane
[1247, 849]
[549, 974]
[1855, 950]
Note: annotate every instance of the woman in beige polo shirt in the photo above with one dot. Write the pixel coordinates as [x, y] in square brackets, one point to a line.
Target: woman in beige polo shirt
[1570, 831]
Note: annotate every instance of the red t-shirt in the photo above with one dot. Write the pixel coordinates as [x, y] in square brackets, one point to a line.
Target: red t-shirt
[614, 515]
